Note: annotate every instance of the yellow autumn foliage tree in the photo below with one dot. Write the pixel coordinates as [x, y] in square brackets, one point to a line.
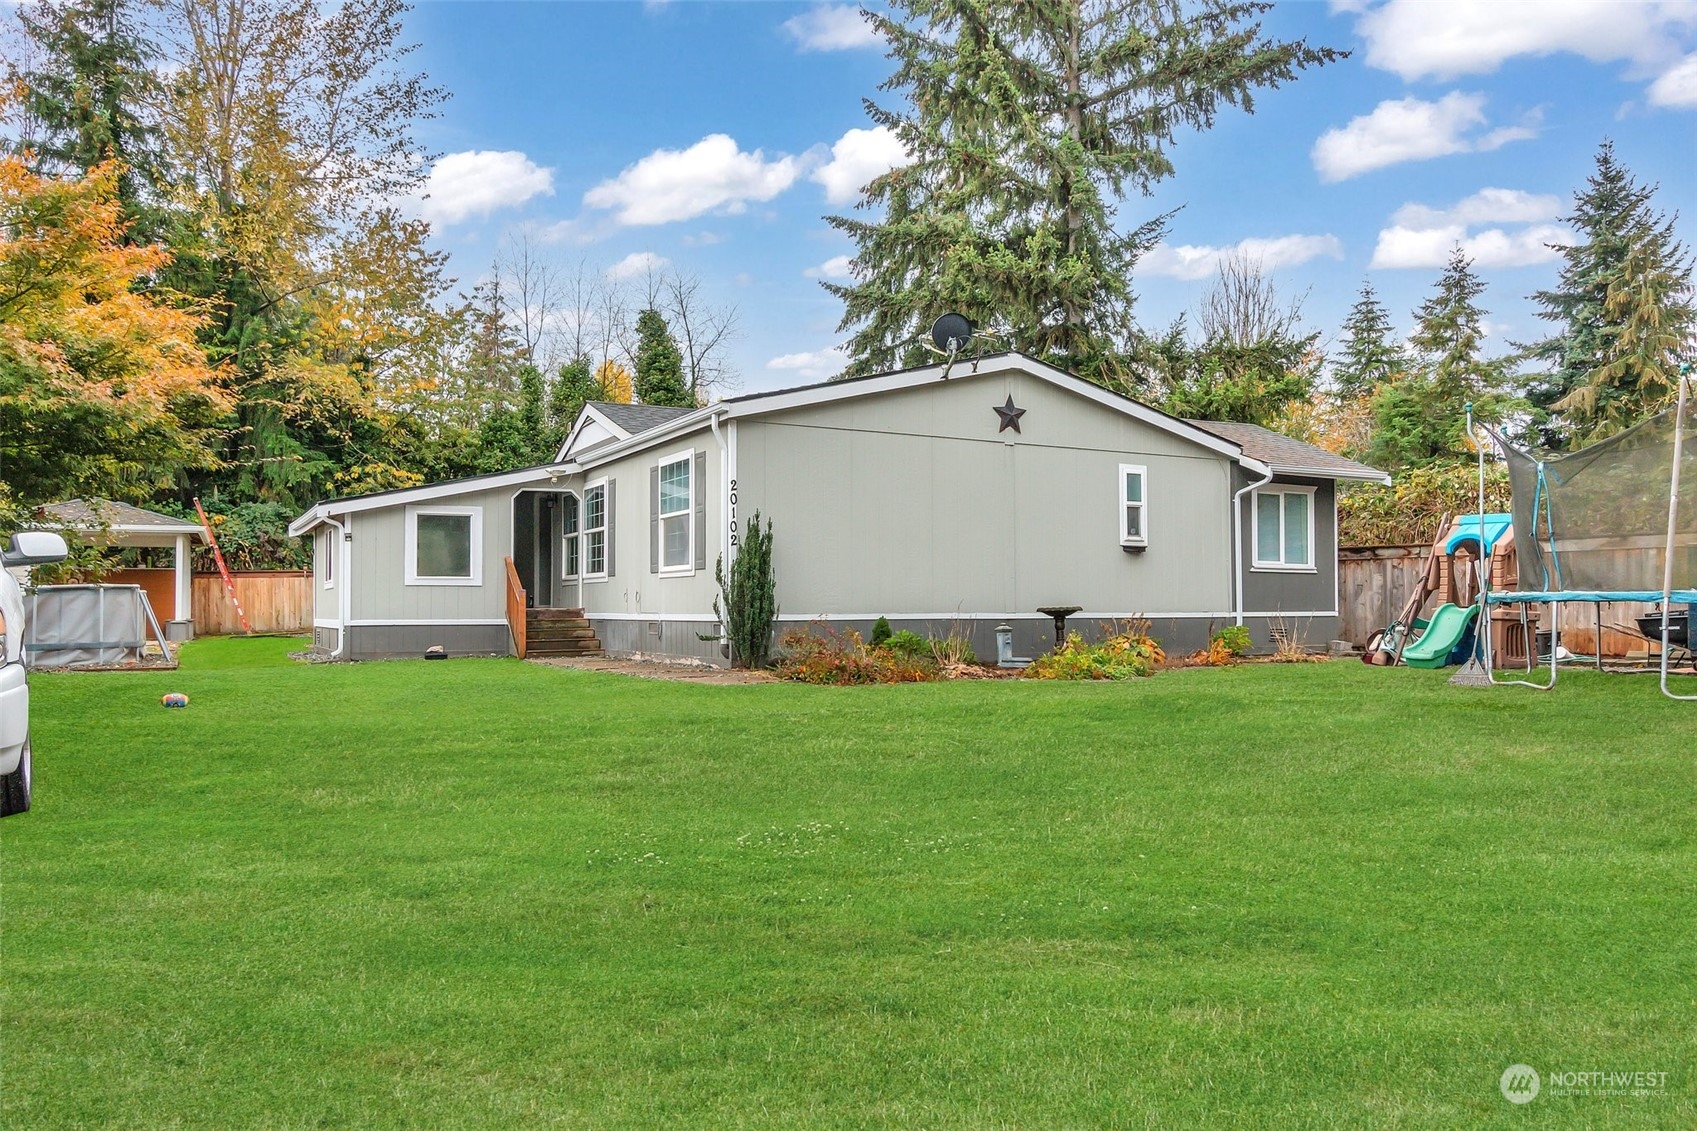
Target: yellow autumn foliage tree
[614, 381]
[103, 389]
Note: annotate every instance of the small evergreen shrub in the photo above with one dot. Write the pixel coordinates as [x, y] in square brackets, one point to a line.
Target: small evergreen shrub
[748, 599]
[880, 632]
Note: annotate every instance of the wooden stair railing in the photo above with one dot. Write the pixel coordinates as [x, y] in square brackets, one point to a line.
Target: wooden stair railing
[515, 609]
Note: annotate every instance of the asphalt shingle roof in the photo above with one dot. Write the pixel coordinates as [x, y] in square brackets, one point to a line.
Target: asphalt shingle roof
[1282, 453]
[91, 513]
[639, 418]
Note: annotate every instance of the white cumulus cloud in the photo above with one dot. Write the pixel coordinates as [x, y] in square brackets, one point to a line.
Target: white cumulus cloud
[713, 175]
[814, 365]
[1410, 129]
[836, 267]
[856, 158]
[636, 264]
[1420, 236]
[478, 182]
[1192, 261]
[1677, 86]
[832, 27]
[1442, 39]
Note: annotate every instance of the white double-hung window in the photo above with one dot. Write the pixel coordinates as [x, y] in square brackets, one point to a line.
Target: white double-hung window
[677, 514]
[1134, 505]
[595, 530]
[1284, 528]
[569, 522]
[444, 545]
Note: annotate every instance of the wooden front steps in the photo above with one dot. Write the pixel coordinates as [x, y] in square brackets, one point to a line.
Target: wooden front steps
[559, 632]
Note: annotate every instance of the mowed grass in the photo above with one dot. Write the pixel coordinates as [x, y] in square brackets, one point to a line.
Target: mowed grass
[485, 893]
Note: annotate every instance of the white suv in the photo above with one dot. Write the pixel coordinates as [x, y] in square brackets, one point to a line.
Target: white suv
[28, 548]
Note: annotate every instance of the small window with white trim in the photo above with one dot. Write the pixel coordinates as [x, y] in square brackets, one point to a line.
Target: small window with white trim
[444, 545]
[1134, 505]
[327, 560]
[1284, 528]
[595, 530]
[677, 514]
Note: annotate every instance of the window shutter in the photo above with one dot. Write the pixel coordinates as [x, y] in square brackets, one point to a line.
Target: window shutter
[699, 483]
[612, 514]
[654, 519]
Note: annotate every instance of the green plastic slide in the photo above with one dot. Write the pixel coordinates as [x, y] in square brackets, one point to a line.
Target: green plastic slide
[1443, 633]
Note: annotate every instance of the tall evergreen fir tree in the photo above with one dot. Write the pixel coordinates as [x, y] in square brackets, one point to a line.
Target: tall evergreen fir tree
[1592, 374]
[1648, 305]
[1421, 419]
[1369, 354]
[659, 364]
[84, 100]
[1449, 332]
[1025, 124]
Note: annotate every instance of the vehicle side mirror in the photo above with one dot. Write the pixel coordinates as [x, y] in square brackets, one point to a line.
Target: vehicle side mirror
[34, 547]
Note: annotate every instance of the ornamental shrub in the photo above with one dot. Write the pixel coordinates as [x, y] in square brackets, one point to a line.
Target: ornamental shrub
[1234, 638]
[908, 645]
[880, 631]
[823, 655]
[1128, 653]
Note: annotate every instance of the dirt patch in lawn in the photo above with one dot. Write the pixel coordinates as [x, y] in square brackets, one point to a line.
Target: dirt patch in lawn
[655, 669]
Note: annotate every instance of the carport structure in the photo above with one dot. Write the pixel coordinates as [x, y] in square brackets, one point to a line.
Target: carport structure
[105, 523]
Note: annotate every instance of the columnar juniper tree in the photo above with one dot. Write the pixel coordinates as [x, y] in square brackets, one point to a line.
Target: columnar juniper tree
[1621, 308]
[1025, 124]
[747, 604]
[659, 364]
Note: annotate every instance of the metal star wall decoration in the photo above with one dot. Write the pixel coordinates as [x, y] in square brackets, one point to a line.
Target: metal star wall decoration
[1009, 414]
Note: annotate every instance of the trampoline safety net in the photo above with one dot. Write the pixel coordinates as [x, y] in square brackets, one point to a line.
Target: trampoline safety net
[1597, 519]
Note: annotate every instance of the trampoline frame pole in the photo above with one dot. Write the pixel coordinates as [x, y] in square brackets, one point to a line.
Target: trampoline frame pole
[1673, 524]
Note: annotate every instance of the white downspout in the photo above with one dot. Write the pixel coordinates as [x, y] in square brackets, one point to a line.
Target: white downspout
[724, 485]
[1237, 538]
[344, 586]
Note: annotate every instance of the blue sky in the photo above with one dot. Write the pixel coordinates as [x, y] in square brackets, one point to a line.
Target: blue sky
[715, 135]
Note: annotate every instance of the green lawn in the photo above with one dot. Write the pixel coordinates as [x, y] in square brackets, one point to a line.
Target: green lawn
[480, 892]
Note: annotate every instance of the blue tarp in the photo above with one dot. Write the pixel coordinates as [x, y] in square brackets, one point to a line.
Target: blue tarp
[1496, 525]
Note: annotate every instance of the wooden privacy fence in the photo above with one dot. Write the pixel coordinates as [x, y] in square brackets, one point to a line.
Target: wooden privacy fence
[275, 601]
[1375, 582]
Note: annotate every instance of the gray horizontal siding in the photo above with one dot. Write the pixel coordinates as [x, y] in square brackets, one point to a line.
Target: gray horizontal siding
[914, 504]
[1275, 592]
[658, 637]
[372, 642]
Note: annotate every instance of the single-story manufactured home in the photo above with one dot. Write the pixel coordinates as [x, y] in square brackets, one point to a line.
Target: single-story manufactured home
[957, 497]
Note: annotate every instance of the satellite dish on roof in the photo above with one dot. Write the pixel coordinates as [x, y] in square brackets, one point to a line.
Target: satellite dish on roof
[951, 333]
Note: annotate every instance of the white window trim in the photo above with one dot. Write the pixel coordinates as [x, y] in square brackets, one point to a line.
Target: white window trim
[687, 458]
[476, 516]
[567, 539]
[1278, 566]
[1126, 539]
[584, 530]
[329, 571]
